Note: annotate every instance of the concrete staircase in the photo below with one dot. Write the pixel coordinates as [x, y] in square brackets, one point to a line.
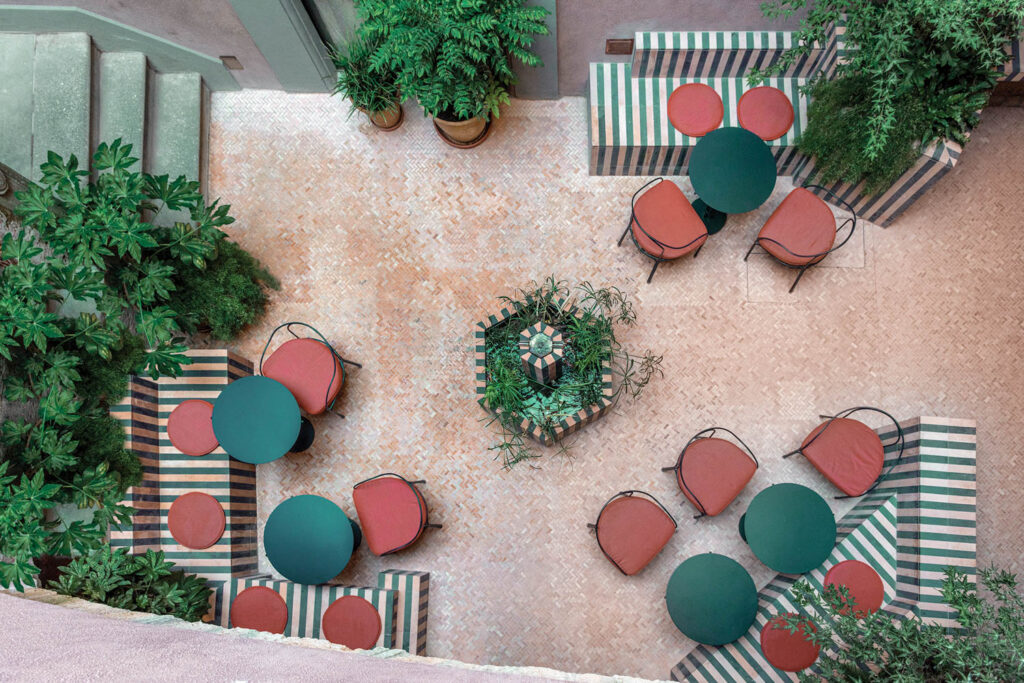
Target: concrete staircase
[59, 93]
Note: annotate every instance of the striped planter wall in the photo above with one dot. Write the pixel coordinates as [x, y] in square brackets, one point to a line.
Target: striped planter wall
[137, 413]
[307, 604]
[630, 133]
[1013, 69]
[413, 591]
[688, 54]
[920, 519]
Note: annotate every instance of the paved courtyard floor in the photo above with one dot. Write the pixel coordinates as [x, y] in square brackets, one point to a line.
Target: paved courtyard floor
[393, 245]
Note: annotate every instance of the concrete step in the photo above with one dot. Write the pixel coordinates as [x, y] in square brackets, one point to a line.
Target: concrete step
[174, 125]
[16, 57]
[61, 88]
[122, 101]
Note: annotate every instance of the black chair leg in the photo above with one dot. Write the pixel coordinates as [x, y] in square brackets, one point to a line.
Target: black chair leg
[750, 251]
[623, 236]
[668, 469]
[799, 275]
[698, 251]
[791, 453]
[651, 276]
[419, 481]
[433, 526]
[351, 362]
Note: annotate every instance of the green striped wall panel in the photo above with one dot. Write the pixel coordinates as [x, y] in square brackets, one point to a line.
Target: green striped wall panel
[413, 591]
[714, 53]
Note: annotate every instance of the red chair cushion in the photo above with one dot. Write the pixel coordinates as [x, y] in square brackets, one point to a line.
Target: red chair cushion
[353, 622]
[392, 513]
[196, 520]
[190, 427]
[766, 112]
[714, 471]
[848, 453]
[306, 367]
[804, 224]
[666, 215]
[632, 531]
[261, 609]
[863, 583]
[695, 109]
[785, 650]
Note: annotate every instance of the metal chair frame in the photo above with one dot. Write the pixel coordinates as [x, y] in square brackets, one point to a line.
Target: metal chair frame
[424, 511]
[815, 258]
[620, 494]
[678, 467]
[900, 439]
[658, 260]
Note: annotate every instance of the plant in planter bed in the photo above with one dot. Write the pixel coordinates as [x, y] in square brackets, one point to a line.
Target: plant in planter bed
[547, 363]
[453, 56]
[141, 583]
[372, 91]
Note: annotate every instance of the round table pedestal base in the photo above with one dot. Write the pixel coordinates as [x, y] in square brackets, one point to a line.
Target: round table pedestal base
[305, 438]
[714, 220]
[357, 535]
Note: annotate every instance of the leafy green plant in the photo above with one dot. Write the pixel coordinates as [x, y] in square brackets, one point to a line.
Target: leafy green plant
[369, 89]
[988, 646]
[902, 55]
[587, 317]
[453, 56]
[142, 583]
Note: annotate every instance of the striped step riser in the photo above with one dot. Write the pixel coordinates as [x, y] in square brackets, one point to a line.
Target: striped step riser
[137, 414]
[645, 161]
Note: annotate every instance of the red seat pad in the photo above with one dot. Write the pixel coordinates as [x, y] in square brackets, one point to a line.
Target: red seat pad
[804, 224]
[632, 531]
[261, 609]
[666, 215]
[353, 622]
[306, 367]
[391, 512]
[190, 427]
[695, 109]
[196, 520]
[863, 583]
[785, 650]
[766, 112]
[715, 471]
[848, 453]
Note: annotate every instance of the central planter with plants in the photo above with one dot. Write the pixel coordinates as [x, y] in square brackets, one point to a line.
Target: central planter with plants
[547, 363]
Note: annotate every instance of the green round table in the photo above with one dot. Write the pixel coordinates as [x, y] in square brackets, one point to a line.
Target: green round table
[308, 539]
[790, 528]
[256, 419]
[711, 599]
[732, 171]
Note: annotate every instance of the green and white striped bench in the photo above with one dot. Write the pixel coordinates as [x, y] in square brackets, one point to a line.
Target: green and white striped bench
[630, 133]
[168, 473]
[919, 520]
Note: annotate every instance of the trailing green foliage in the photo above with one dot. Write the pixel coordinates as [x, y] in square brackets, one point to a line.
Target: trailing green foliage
[988, 646]
[142, 583]
[586, 317]
[373, 90]
[225, 297]
[453, 56]
[920, 70]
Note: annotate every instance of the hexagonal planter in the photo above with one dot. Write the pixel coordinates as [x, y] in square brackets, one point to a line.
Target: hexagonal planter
[544, 360]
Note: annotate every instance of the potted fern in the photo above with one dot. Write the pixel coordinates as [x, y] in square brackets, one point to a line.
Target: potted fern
[370, 90]
[454, 56]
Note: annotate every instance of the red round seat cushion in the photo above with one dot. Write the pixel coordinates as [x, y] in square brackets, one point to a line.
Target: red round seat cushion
[712, 473]
[353, 622]
[190, 427]
[848, 453]
[863, 583]
[804, 224]
[695, 109]
[666, 215]
[261, 609]
[766, 112]
[307, 367]
[196, 520]
[392, 513]
[632, 531]
[785, 650]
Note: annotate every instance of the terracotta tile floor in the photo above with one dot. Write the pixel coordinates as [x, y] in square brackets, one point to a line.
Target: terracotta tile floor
[394, 245]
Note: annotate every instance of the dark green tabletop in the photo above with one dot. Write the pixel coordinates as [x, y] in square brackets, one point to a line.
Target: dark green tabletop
[732, 170]
[711, 599]
[256, 419]
[790, 528]
[308, 539]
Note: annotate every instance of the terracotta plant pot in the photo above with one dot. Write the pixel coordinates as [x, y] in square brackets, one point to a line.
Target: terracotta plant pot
[387, 119]
[462, 134]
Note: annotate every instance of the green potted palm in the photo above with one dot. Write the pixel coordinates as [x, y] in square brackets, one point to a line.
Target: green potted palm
[371, 91]
[454, 56]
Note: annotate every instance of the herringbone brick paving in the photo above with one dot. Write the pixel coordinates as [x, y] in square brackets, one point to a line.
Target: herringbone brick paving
[393, 245]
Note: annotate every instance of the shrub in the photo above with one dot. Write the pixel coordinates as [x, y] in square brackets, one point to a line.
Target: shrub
[368, 88]
[141, 583]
